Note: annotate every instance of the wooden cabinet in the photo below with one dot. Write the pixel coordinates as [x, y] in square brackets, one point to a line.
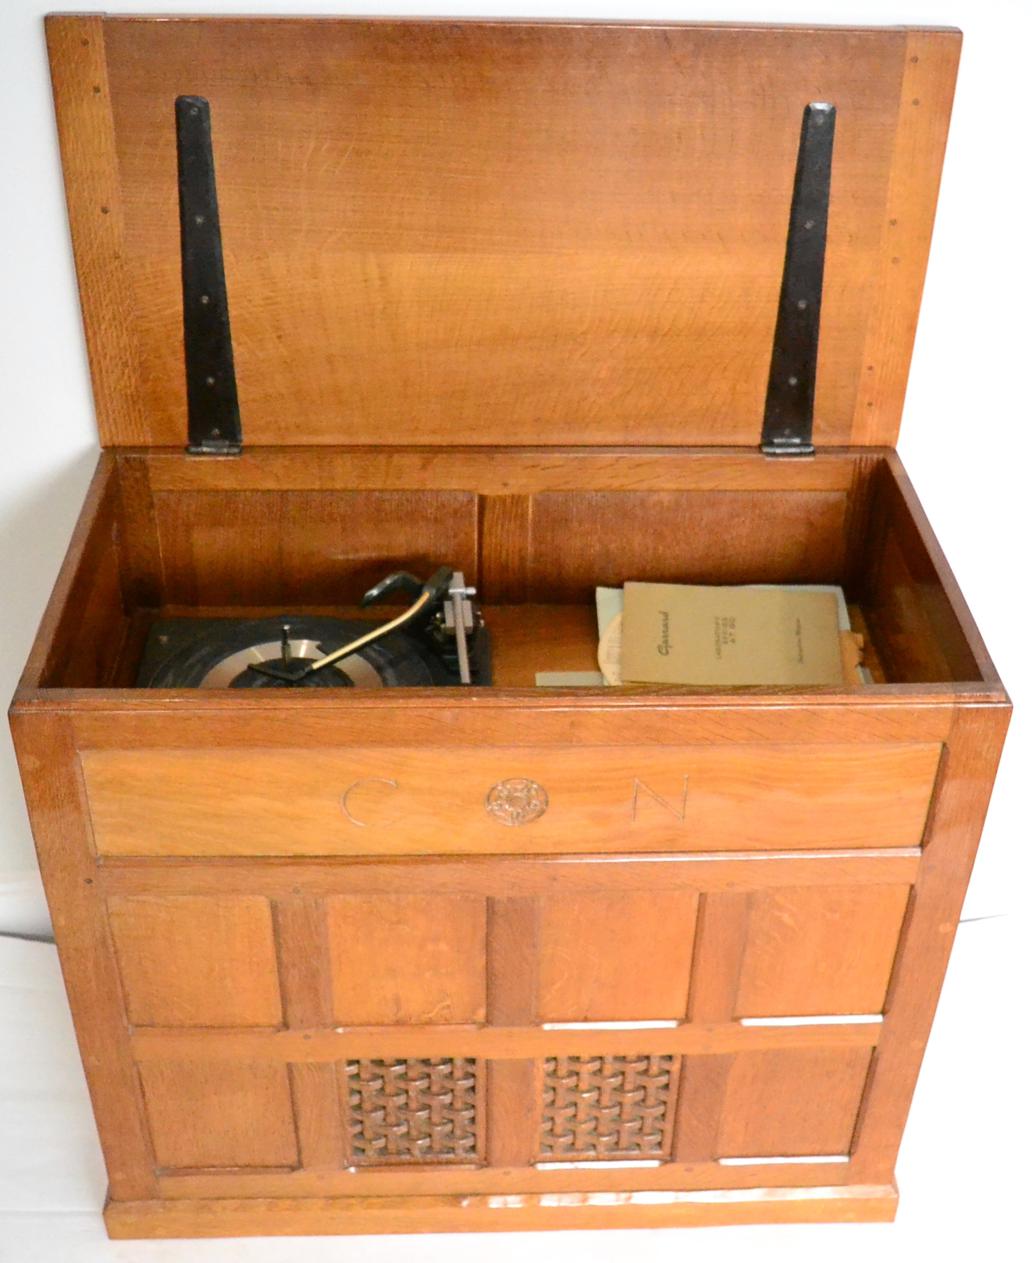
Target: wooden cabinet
[502, 957]
[362, 1042]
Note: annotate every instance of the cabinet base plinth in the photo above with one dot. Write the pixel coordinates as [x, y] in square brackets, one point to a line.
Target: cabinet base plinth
[502, 1212]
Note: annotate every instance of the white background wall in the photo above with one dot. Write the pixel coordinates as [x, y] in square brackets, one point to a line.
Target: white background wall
[965, 430]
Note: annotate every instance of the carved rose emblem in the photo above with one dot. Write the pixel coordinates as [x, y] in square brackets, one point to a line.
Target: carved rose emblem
[516, 801]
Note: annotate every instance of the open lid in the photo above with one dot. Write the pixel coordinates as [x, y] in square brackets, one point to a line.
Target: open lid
[499, 233]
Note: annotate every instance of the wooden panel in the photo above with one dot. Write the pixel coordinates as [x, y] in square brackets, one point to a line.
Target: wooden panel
[505, 547]
[220, 1114]
[720, 946]
[700, 1105]
[53, 791]
[305, 979]
[96, 640]
[515, 879]
[89, 157]
[392, 232]
[590, 1039]
[974, 748]
[450, 720]
[83, 630]
[554, 1177]
[792, 1102]
[526, 639]
[319, 1124]
[924, 629]
[407, 958]
[138, 542]
[513, 955]
[305, 1216]
[901, 619]
[188, 961]
[611, 957]
[512, 1122]
[304, 959]
[415, 801]
[504, 475]
[926, 98]
[820, 951]
[512, 1086]
[583, 539]
[315, 547]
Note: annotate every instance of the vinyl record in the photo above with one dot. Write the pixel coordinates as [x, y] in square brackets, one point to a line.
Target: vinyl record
[218, 653]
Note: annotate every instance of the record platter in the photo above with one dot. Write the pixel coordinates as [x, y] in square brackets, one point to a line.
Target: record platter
[439, 638]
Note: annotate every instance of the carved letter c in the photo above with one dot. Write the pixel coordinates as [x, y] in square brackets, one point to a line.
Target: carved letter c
[366, 780]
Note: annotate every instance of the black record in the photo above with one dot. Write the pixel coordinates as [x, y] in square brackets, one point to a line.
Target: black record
[219, 653]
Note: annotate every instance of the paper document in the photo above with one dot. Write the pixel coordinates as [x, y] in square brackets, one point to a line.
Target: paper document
[687, 634]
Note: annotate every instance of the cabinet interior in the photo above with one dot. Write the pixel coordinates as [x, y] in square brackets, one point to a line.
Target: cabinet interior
[291, 531]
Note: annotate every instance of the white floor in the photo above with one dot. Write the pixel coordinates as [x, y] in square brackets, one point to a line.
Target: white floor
[961, 1173]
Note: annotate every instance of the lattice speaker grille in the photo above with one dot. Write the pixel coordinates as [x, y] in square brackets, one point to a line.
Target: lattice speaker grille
[607, 1107]
[419, 1110]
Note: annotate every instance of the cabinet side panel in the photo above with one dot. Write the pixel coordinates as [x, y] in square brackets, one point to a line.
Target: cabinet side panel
[83, 628]
[962, 798]
[60, 825]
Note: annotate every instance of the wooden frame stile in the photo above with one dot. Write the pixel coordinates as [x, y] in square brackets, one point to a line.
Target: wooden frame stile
[694, 984]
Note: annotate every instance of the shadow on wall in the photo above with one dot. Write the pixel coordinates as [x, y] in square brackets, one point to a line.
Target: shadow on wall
[35, 527]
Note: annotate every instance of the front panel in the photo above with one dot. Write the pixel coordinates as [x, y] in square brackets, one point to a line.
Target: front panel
[331, 1042]
[410, 800]
[415, 1019]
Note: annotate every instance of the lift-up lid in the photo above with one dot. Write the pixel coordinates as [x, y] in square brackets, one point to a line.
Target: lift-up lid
[499, 233]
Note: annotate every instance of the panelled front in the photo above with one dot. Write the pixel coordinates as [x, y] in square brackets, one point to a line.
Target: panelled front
[516, 1018]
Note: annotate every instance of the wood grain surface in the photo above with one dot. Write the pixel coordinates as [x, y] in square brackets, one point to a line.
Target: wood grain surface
[195, 961]
[219, 1114]
[233, 1217]
[500, 294]
[473, 231]
[407, 801]
[535, 531]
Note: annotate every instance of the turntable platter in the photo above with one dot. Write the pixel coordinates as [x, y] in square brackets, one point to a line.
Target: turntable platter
[219, 653]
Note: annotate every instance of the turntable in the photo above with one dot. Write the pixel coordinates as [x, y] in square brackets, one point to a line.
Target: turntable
[439, 639]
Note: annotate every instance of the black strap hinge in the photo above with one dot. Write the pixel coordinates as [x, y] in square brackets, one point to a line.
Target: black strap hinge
[211, 393]
[788, 414]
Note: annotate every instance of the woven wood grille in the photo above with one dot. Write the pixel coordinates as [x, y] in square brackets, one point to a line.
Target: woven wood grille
[606, 1107]
[419, 1110]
